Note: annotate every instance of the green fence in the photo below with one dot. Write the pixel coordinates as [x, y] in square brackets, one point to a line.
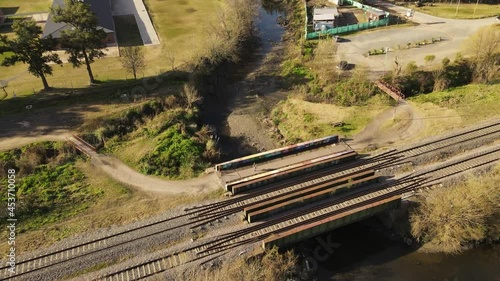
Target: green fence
[352, 27]
[348, 28]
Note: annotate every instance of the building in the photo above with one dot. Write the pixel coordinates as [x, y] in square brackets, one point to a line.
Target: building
[373, 14]
[324, 18]
[337, 2]
[102, 10]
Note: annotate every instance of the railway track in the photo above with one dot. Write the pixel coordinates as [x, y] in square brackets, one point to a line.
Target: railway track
[197, 216]
[308, 215]
[464, 136]
[203, 215]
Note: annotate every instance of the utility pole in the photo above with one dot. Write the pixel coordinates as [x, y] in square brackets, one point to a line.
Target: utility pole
[475, 8]
[456, 12]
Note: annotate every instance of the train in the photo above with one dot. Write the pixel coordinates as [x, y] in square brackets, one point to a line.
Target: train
[276, 153]
[240, 185]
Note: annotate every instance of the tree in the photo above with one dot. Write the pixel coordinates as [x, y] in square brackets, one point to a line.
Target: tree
[84, 40]
[190, 95]
[29, 48]
[132, 59]
[429, 59]
[484, 47]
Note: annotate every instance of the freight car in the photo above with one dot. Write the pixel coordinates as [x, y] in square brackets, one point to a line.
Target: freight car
[276, 153]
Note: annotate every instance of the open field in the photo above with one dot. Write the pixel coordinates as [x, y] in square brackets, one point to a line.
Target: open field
[25, 6]
[301, 120]
[465, 11]
[180, 25]
[457, 107]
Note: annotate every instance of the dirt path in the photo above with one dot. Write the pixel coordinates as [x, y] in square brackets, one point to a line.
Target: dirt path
[124, 174]
[395, 125]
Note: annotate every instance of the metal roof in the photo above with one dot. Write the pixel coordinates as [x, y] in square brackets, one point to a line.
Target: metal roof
[325, 14]
[101, 8]
[376, 12]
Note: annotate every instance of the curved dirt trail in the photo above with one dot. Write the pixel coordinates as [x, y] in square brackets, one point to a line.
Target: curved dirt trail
[125, 174]
[382, 131]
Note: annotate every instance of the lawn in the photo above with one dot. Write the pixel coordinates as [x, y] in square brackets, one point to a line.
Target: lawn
[180, 25]
[299, 120]
[25, 6]
[457, 107]
[465, 11]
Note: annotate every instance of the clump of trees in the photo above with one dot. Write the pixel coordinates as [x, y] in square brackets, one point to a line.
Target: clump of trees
[484, 48]
[481, 65]
[227, 34]
[30, 49]
[452, 219]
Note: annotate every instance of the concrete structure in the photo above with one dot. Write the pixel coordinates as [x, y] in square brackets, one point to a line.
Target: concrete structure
[337, 2]
[102, 10]
[373, 14]
[324, 18]
[140, 13]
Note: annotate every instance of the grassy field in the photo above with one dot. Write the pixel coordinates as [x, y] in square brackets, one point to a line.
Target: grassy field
[181, 25]
[25, 6]
[116, 204]
[457, 107]
[300, 120]
[465, 11]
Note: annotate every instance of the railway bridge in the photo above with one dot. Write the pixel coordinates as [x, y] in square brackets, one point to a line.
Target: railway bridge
[283, 196]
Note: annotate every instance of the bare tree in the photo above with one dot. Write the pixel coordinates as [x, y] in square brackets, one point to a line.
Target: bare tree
[132, 59]
[170, 56]
[484, 47]
[190, 95]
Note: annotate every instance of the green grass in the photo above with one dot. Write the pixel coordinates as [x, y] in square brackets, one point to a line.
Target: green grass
[457, 107]
[25, 6]
[49, 184]
[180, 24]
[474, 101]
[465, 11]
[127, 31]
[299, 120]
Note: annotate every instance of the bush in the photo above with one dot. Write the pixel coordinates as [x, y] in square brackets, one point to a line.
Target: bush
[452, 219]
[175, 152]
[273, 266]
[49, 186]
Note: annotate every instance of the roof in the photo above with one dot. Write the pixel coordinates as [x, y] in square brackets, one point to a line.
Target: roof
[325, 14]
[101, 8]
[376, 12]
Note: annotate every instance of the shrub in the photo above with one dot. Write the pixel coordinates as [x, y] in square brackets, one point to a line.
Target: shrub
[174, 152]
[452, 219]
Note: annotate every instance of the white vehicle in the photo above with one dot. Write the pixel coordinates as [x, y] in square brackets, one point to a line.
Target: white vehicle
[409, 13]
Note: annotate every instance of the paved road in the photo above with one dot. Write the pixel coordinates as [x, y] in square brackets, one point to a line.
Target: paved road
[454, 32]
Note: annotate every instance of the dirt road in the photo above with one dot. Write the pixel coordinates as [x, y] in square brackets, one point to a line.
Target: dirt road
[453, 33]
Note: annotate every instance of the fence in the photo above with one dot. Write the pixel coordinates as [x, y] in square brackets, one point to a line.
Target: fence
[349, 28]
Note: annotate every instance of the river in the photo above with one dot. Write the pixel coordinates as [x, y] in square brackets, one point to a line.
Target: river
[367, 251]
[364, 251]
